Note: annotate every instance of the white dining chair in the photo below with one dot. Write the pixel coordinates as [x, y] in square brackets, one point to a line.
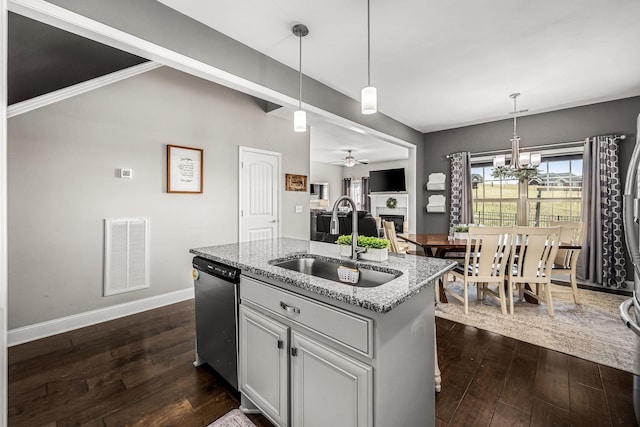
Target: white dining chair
[566, 260]
[390, 233]
[485, 262]
[534, 249]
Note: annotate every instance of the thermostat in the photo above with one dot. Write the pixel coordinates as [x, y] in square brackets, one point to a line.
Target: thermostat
[126, 173]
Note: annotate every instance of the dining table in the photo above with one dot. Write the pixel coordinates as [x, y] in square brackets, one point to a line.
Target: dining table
[444, 246]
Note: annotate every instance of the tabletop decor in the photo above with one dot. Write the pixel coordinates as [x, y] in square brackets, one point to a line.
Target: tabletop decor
[461, 232]
[377, 248]
[185, 166]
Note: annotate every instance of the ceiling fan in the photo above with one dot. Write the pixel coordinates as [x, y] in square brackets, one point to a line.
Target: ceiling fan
[349, 160]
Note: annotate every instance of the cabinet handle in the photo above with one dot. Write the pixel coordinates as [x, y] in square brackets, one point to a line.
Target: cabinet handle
[280, 344]
[289, 308]
[294, 352]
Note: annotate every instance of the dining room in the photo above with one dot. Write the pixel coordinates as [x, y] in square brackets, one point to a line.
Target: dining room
[570, 296]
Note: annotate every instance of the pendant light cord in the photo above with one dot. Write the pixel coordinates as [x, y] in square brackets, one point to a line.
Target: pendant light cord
[300, 76]
[515, 116]
[368, 43]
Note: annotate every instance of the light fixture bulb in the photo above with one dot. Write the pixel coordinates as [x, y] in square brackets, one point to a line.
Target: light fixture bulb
[536, 159]
[499, 160]
[369, 100]
[300, 121]
[349, 162]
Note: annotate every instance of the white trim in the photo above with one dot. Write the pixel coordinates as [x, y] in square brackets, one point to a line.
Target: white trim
[79, 89]
[4, 388]
[56, 326]
[553, 152]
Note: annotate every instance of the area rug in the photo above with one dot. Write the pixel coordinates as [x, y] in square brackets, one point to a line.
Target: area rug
[592, 330]
[233, 418]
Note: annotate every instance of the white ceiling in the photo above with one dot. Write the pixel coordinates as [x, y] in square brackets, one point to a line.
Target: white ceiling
[329, 144]
[444, 64]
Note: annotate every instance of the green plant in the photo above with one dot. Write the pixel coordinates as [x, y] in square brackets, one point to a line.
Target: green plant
[365, 241]
[461, 229]
[392, 202]
[522, 174]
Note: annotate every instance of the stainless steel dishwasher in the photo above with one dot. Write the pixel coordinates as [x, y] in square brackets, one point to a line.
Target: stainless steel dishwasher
[216, 299]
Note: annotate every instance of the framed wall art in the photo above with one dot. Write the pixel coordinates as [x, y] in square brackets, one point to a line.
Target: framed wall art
[185, 168]
[295, 182]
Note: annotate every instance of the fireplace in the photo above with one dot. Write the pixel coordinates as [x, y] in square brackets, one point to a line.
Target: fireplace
[398, 221]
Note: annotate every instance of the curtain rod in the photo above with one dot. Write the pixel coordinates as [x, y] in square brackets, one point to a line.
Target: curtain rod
[537, 147]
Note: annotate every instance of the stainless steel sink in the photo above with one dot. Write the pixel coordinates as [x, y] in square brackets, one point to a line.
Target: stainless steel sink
[328, 269]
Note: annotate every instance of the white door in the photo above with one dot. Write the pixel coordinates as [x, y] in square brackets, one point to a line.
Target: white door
[259, 194]
[342, 385]
[263, 364]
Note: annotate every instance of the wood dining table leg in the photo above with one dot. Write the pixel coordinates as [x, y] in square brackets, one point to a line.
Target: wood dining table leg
[443, 295]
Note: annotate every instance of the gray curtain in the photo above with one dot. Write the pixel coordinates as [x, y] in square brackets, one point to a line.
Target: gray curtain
[461, 208]
[602, 256]
[346, 189]
[366, 201]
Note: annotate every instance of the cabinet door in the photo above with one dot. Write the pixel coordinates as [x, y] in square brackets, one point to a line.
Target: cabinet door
[263, 364]
[328, 388]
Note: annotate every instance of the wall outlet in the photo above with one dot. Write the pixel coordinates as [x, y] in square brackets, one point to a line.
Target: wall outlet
[298, 209]
[126, 173]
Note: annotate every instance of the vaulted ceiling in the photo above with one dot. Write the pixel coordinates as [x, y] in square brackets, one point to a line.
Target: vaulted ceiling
[43, 59]
[445, 64]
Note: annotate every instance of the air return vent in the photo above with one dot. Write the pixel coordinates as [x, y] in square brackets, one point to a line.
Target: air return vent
[126, 255]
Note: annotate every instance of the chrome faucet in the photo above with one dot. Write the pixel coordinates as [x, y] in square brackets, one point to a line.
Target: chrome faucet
[335, 227]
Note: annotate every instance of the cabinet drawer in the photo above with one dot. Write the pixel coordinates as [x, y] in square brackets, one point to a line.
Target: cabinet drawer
[348, 329]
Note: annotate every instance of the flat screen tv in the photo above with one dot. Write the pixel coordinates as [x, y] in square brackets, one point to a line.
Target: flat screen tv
[387, 180]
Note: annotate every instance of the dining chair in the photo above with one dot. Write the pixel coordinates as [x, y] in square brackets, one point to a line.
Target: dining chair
[390, 234]
[566, 261]
[485, 262]
[532, 255]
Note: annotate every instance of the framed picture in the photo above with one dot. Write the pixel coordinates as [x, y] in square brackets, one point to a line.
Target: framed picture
[295, 182]
[184, 169]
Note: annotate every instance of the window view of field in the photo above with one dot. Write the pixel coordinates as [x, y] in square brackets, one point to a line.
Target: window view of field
[554, 195]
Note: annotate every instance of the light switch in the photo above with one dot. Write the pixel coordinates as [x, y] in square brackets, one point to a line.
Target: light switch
[126, 173]
[298, 209]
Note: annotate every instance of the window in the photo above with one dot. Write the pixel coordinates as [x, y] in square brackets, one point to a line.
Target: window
[356, 193]
[554, 195]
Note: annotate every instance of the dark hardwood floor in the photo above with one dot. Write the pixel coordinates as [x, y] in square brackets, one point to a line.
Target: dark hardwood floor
[138, 371]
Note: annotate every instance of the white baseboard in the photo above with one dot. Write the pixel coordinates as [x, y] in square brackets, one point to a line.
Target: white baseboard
[56, 326]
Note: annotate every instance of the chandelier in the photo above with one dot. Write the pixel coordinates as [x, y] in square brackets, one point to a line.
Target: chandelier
[522, 165]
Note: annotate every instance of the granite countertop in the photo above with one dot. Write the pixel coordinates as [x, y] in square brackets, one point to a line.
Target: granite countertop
[417, 271]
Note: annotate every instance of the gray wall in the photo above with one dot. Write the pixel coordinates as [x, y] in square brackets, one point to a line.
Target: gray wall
[332, 174]
[572, 124]
[63, 161]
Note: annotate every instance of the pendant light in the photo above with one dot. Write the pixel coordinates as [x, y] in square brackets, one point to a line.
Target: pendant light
[369, 96]
[300, 116]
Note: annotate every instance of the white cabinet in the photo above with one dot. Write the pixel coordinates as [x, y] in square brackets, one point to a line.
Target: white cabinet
[328, 388]
[264, 344]
[338, 365]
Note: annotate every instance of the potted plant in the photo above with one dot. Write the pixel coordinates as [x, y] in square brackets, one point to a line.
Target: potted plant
[461, 232]
[377, 248]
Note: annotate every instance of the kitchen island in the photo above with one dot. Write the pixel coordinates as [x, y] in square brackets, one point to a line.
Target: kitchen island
[314, 351]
